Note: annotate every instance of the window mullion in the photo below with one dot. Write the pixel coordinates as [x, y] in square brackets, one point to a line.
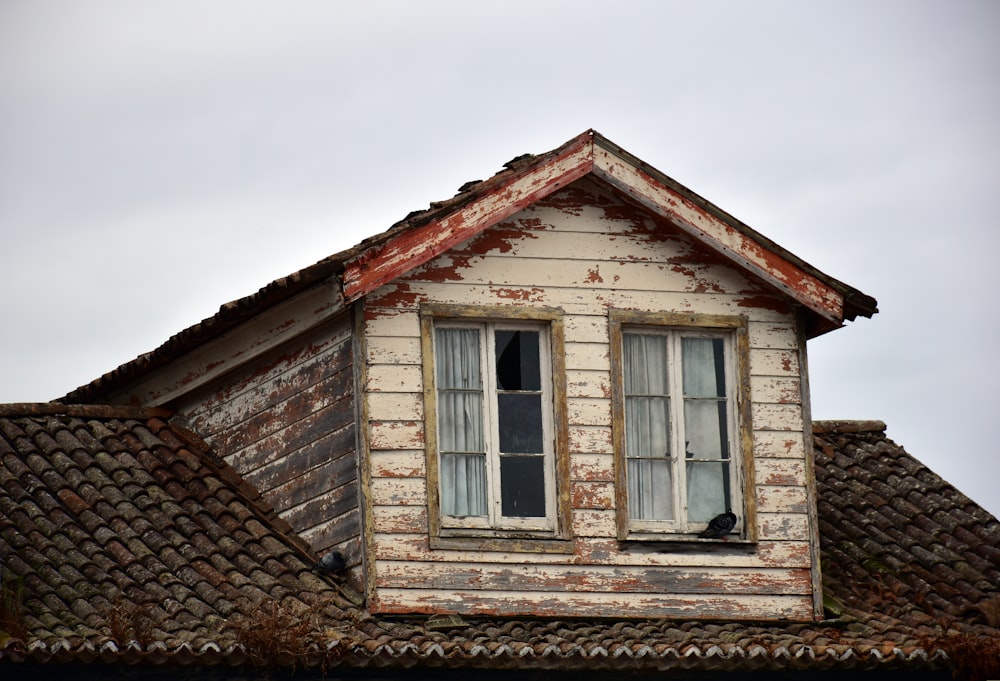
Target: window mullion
[492, 415]
[678, 444]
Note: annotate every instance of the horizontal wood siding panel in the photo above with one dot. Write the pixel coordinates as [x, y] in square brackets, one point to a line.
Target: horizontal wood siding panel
[584, 261]
[287, 423]
[614, 579]
[548, 604]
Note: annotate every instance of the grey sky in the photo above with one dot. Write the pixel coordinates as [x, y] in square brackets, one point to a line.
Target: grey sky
[158, 159]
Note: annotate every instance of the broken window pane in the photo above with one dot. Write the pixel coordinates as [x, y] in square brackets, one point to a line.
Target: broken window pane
[517, 360]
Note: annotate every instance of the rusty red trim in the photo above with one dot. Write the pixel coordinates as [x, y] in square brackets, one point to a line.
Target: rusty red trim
[497, 201]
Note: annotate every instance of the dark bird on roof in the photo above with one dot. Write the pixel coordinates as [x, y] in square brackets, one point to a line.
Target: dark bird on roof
[720, 525]
[331, 563]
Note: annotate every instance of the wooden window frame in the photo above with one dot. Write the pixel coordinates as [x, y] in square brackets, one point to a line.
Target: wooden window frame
[447, 532]
[734, 327]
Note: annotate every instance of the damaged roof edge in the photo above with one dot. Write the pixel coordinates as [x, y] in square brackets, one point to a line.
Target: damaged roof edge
[856, 303]
[229, 316]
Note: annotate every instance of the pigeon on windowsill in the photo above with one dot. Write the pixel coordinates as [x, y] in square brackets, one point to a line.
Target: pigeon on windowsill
[719, 526]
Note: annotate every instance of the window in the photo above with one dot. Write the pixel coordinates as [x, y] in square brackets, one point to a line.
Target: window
[490, 395]
[679, 426]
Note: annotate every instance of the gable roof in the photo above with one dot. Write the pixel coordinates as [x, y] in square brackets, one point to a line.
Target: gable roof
[102, 503]
[424, 234]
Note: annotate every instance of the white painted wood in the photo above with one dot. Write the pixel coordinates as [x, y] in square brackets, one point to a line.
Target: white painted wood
[583, 263]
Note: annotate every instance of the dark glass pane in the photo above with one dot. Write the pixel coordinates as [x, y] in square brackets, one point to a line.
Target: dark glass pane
[522, 485]
[520, 423]
[517, 360]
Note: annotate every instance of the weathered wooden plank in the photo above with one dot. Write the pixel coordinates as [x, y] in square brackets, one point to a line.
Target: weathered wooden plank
[396, 321]
[773, 335]
[543, 274]
[786, 444]
[765, 362]
[589, 412]
[596, 495]
[396, 434]
[330, 401]
[398, 463]
[386, 406]
[780, 471]
[276, 378]
[332, 503]
[545, 604]
[394, 379]
[594, 523]
[775, 389]
[784, 526]
[597, 551]
[587, 383]
[589, 356]
[587, 328]
[312, 483]
[784, 417]
[342, 531]
[400, 519]
[393, 350]
[781, 499]
[590, 439]
[592, 467]
[398, 491]
[595, 302]
[337, 445]
[597, 579]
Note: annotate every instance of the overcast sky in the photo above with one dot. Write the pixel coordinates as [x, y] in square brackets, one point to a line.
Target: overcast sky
[158, 159]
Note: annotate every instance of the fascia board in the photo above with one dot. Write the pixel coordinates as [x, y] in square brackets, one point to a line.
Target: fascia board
[643, 188]
[413, 246]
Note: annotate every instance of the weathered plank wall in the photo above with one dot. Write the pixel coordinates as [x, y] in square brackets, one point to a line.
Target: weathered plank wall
[583, 250]
[287, 423]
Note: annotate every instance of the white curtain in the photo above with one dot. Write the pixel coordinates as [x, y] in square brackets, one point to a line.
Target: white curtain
[705, 427]
[460, 422]
[647, 427]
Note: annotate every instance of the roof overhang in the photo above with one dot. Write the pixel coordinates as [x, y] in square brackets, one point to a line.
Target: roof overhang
[414, 242]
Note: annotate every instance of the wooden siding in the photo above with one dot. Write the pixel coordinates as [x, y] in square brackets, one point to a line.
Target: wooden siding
[287, 423]
[583, 251]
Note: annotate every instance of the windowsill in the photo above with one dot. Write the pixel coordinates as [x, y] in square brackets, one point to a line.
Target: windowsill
[685, 543]
[514, 542]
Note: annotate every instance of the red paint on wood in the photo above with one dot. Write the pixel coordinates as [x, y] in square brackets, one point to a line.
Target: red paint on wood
[534, 295]
[415, 245]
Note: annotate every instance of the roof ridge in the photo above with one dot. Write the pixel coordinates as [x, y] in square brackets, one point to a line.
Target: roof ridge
[106, 411]
[822, 427]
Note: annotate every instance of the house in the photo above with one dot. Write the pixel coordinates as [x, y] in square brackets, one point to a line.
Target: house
[514, 414]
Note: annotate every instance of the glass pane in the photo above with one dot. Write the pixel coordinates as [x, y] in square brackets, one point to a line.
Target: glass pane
[644, 364]
[463, 484]
[460, 419]
[520, 423]
[704, 367]
[517, 360]
[647, 426]
[522, 481]
[650, 489]
[457, 359]
[705, 430]
[708, 490]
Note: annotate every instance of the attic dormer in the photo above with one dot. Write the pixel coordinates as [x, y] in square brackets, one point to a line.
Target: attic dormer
[532, 399]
